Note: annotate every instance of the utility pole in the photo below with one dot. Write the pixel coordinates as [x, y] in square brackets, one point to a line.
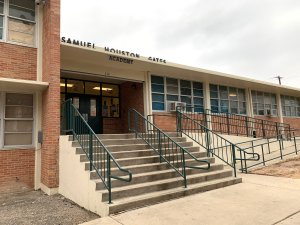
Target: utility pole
[279, 79]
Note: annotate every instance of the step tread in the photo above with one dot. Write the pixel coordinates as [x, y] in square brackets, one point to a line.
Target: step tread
[146, 196]
[164, 171]
[165, 181]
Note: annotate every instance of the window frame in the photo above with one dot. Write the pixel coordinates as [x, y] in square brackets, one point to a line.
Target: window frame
[264, 103]
[6, 18]
[3, 119]
[229, 99]
[295, 107]
[166, 93]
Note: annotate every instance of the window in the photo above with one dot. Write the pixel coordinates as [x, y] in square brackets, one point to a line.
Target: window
[225, 99]
[17, 120]
[110, 100]
[264, 103]
[290, 106]
[1, 19]
[17, 20]
[109, 93]
[158, 93]
[170, 89]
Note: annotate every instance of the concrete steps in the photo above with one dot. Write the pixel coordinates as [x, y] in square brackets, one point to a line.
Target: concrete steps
[161, 196]
[152, 181]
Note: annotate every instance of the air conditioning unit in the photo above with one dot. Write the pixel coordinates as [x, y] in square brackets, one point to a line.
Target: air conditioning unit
[268, 112]
[172, 106]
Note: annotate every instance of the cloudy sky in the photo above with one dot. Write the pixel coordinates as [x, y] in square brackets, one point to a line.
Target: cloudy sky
[254, 38]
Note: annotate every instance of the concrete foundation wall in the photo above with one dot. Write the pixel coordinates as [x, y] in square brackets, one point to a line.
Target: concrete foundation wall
[74, 180]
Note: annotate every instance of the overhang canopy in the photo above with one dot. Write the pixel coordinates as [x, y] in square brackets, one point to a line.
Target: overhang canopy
[8, 84]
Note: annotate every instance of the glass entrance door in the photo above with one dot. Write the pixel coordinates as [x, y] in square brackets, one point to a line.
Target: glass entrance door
[90, 108]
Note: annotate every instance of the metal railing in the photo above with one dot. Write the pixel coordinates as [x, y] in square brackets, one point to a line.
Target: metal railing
[240, 125]
[271, 148]
[169, 151]
[100, 159]
[214, 144]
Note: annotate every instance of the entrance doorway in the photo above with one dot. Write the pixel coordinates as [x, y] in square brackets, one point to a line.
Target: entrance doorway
[90, 108]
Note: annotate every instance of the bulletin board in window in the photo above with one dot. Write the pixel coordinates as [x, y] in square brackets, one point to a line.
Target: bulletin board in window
[110, 107]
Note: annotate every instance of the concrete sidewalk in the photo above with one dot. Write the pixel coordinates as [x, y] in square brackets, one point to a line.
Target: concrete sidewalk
[258, 200]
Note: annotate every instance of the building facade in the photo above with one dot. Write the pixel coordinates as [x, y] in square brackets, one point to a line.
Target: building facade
[39, 70]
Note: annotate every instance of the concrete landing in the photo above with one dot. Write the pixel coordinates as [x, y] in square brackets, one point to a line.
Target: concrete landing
[259, 200]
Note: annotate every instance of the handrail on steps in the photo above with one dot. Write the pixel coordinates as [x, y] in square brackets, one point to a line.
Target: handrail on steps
[168, 149]
[100, 158]
[213, 142]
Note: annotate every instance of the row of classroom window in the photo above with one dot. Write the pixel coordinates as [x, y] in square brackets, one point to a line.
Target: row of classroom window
[223, 99]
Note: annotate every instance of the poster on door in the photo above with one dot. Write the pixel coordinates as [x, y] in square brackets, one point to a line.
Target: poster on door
[93, 111]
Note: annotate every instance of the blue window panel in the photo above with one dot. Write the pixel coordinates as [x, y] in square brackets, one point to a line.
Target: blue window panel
[198, 101]
[172, 97]
[185, 83]
[214, 94]
[189, 108]
[157, 80]
[215, 109]
[224, 109]
[213, 87]
[158, 98]
[197, 85]
[214, 102]
[186, 91]
[158, 106]
[186, 99]
[198, 92]
[198, 108]
[158, 88]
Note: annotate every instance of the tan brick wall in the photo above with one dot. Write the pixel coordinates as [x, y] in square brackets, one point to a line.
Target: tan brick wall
[51, 97]
[17, 170]
[18, 62]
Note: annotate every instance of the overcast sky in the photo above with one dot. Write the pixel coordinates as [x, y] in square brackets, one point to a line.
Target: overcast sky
[253, 38]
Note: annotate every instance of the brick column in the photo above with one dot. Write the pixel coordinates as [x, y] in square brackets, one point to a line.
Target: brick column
[51, 97]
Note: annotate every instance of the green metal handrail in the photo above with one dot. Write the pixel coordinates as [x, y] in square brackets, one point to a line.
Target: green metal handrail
[168, 150]
[236, 124]
[213, 142]
[100, 158]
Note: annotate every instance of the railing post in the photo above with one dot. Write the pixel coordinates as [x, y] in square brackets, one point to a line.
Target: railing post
[234, 159]
[207, 142]
[263, 129]
[184, 172]
[109, 179]
[91, 149]
[277, 131]
[135, 124]
[159, 146]
[263, 154]
[228, 128]
[295, 143]
[280, 148]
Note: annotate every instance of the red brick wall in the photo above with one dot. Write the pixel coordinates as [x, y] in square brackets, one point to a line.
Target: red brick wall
[294, 122]
[165, 121]
[131, 96]
[112, 126]
[17, 170]
[18, 62]
[51, 97]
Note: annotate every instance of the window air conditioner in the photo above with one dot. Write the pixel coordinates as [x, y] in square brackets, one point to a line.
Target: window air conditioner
[268, 112]
[172, 106]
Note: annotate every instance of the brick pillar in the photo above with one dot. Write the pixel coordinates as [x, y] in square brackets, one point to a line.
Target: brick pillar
[51, 97]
